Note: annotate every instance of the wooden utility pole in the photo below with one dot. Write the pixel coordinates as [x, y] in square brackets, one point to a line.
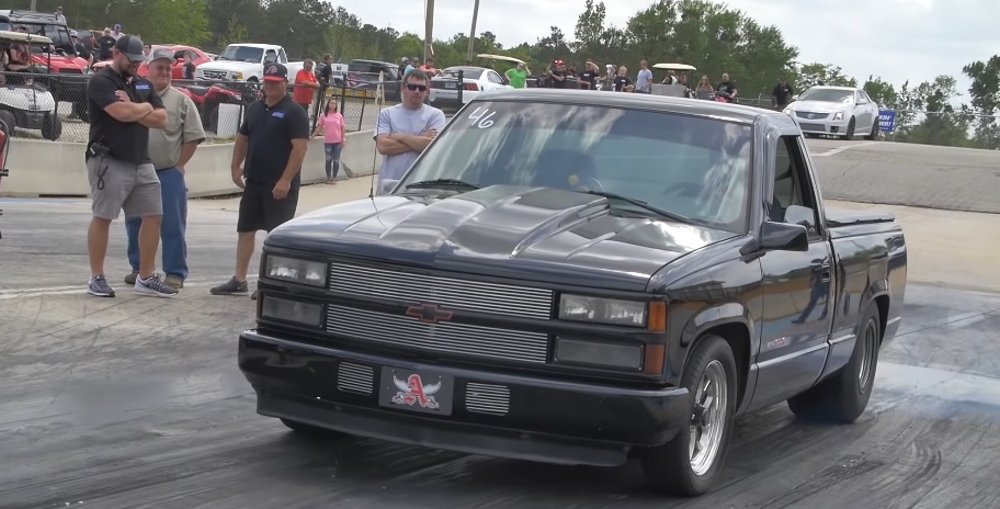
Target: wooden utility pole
[428, 29]
[472, 34]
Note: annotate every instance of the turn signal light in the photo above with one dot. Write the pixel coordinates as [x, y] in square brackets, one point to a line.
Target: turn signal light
[654, 358]
[657, 317]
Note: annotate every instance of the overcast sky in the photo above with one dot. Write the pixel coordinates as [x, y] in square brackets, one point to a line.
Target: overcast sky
[897, 39]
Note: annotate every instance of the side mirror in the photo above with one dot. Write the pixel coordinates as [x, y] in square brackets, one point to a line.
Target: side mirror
[795, 97]
[783, 237]
[799, 215]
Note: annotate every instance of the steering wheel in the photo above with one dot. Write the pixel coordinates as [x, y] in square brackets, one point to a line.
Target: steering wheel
[584, 183]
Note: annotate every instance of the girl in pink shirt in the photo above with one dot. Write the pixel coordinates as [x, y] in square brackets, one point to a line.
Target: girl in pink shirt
[331, 125]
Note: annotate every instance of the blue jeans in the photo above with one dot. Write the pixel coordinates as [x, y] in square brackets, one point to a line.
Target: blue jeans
[333, 159]
[174, 193]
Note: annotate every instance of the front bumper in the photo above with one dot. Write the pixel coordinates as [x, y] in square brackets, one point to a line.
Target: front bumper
[822, 125]
[495, 414]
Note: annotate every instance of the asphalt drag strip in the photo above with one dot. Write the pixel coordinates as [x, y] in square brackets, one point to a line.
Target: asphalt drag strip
[138, 402]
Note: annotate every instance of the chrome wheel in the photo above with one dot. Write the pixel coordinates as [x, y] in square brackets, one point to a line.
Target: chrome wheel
[869, 349]
[708, 418]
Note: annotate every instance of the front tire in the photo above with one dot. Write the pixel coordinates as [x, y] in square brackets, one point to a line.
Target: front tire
[851, 125]
[690, 463]
[842, 398]
[52, 127]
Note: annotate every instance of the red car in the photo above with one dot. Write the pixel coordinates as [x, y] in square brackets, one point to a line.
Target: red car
[178, 50]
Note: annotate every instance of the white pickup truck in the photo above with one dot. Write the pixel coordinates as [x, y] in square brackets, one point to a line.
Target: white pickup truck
[245, 62]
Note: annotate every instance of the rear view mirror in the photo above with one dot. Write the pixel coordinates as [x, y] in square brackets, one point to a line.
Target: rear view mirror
[784, 237]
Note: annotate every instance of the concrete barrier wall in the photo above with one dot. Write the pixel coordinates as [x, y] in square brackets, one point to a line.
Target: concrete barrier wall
[45, 168]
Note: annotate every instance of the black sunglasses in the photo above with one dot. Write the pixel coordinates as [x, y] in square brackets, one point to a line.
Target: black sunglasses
[413, 87]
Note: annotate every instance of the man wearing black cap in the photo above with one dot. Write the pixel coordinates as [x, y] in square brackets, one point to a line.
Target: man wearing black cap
[122, 109]
[272, 141]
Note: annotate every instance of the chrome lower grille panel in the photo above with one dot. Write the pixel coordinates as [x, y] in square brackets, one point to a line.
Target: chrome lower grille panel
[355, 378]
[452, 293]
[444, 337]
[487, 398]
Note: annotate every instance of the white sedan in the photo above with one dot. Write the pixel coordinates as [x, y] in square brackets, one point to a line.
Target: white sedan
[475, 80]
[837, 111]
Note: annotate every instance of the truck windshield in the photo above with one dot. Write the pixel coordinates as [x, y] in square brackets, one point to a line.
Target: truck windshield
[694, 167]
[242, 54]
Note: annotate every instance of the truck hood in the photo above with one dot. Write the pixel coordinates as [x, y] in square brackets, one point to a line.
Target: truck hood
[227, 65]
[537, 234]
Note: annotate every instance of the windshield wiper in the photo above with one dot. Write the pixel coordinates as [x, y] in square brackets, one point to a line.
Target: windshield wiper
[643, 205]
[442, 183]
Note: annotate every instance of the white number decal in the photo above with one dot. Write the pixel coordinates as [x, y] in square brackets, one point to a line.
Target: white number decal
[482, 118]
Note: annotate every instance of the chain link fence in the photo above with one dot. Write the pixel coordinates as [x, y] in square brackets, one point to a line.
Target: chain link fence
[54, 107]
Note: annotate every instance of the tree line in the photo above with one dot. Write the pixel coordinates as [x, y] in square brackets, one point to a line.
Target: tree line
[711, 36]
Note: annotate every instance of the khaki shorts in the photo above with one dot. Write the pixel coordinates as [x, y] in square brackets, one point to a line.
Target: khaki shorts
[116, 185]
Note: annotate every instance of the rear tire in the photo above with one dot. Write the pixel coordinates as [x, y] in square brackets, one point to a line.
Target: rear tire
[842, 398]
[52, 127]
[681, 467]
[874, 134]
[11, 121]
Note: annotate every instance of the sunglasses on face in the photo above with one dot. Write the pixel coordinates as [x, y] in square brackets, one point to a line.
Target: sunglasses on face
[421, 88]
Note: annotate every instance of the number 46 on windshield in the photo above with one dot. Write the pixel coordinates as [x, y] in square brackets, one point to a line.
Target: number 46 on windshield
[481, 117]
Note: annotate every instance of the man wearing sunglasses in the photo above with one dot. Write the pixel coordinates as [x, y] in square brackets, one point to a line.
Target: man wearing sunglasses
[403, 131]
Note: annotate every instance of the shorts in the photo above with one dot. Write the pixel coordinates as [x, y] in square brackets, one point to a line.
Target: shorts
[260, 211]
[117, 185]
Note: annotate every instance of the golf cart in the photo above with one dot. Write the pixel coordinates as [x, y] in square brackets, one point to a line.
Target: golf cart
[679, 89]
[24, 101]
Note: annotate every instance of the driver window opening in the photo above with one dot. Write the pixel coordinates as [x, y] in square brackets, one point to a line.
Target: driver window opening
[790, 185]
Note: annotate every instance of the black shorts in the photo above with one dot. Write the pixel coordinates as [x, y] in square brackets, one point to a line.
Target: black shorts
[260, 211]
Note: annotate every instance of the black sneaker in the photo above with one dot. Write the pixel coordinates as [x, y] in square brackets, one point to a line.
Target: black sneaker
[99, 286]
[130, 277]
[231, 287]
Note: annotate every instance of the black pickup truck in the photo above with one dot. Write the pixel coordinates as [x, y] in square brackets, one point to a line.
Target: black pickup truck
[580, 278]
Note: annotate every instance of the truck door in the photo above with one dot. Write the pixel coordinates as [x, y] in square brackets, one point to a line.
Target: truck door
[798, 286]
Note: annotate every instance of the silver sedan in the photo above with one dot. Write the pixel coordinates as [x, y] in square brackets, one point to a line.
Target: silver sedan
[837, 111]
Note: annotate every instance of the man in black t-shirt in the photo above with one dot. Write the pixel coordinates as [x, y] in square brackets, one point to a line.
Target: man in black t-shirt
[105, 44]
[588, 78]
[272, 141]
[122, 109]
[727, 89]
[781, 94]
[557, 74]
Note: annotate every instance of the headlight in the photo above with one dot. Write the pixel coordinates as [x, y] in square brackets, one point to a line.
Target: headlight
[839, 115]
[238, 76]
[306, 313]
[599, 353]
[582, 308]
[295, 270]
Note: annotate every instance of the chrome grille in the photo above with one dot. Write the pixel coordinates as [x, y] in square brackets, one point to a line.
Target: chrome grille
[216, 75]
[487, 398]
[812, 127]
[446, 337]
[809, 114]
[459, 294]
[355, 378]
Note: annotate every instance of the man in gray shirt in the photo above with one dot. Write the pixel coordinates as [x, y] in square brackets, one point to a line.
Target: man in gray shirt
[644, 81]
[403, 131]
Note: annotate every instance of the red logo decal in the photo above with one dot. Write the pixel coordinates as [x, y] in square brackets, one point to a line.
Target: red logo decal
[429, 313]
[413, 391]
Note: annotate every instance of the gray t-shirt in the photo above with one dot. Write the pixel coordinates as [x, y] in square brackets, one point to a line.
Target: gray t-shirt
[399, 119]
[644, 80]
